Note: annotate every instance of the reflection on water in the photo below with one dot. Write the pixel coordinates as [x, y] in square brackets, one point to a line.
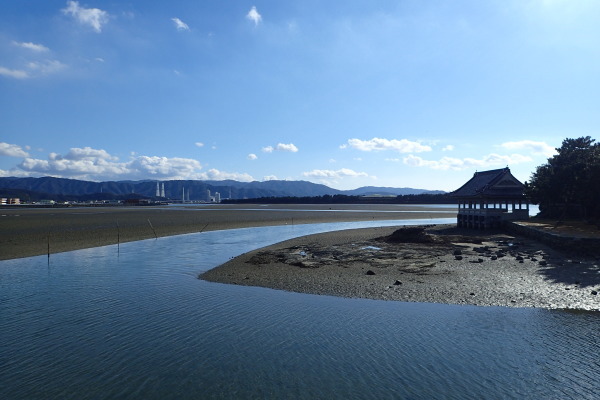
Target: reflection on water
[139, 324]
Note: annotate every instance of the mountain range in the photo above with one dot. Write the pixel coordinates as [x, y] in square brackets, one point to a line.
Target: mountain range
[33, 189]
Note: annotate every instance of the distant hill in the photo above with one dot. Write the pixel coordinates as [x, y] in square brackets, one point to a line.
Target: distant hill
[388, 191]
[72, 189]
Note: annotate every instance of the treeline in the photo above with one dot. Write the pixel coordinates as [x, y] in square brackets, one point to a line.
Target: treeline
[568, 185]
[345, 199]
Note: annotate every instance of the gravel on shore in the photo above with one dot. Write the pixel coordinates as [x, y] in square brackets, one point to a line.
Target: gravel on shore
[440, 264]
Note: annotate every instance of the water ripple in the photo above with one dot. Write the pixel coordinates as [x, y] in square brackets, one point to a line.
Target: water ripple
[102, 324]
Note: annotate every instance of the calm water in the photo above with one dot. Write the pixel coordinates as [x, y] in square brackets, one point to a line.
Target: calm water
[138, 324]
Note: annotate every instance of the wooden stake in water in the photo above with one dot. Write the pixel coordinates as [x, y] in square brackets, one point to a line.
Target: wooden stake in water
[118, 239]
[155, 236]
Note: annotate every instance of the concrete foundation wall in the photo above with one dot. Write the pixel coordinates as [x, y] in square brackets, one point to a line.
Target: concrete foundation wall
[570, 243]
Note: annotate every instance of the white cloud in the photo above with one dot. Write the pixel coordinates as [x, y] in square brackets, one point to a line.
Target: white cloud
[448, 148]
[286, 147]
[32, 46]
[14, 73]
[340, 173]
[281, 147]
[164, 167]
[532, 146]
[199, 144]
[88, 153]
[216, 175]
[270, 178]
[12, 150]
[254, 16]
[252, 156]
[13, 173]
[446, 163]
[379, 144]
[92, 17]
[97, 164]
[180, 25]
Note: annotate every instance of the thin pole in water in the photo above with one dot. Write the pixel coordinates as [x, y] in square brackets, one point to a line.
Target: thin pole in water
[118, 239]
[156, 237]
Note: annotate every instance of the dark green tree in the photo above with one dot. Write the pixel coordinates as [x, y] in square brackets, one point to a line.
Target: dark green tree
[569, 183]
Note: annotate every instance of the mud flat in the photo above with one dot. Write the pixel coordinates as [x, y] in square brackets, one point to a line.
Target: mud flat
[33, 231]
[439, 264]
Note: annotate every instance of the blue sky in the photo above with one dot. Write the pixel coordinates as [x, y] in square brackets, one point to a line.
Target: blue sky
[403, 93]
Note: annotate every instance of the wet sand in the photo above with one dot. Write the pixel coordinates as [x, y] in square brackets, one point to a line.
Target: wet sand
[27, 232]
[447, 265]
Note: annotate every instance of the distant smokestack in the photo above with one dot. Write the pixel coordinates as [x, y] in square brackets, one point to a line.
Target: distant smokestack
[162, 192]
[157, 190]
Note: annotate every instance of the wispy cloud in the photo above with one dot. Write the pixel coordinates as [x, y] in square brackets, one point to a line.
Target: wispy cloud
[12, 150]
[379, 144]
[34, 69]
[449, 163]
[180, 25]
[93, 17]
[46, 67]
[199, 144]
[14, 73]
[531, 146]
[32, 46]
[252, 156]
[448, 148]
[254, 16]
[290, 147]
[328, 173]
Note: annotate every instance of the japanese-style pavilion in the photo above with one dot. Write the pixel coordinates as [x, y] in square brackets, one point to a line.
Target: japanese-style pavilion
[489, 199]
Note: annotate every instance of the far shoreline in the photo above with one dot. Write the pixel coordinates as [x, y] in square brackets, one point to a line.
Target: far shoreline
[31, 232]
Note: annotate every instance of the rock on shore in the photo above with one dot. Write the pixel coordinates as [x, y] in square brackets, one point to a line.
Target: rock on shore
[438, 264]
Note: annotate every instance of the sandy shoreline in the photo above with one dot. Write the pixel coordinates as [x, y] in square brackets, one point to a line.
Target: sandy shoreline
[457, 267]
[30, 232]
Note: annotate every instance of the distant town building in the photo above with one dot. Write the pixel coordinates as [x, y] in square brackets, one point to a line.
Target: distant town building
[217, 197]
[9, 200]
[489, 198]
[136, 202]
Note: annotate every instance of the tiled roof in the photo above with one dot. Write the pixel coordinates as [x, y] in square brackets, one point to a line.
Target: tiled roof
[481, 185]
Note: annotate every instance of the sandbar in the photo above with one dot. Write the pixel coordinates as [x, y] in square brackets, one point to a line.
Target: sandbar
[443, 264]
